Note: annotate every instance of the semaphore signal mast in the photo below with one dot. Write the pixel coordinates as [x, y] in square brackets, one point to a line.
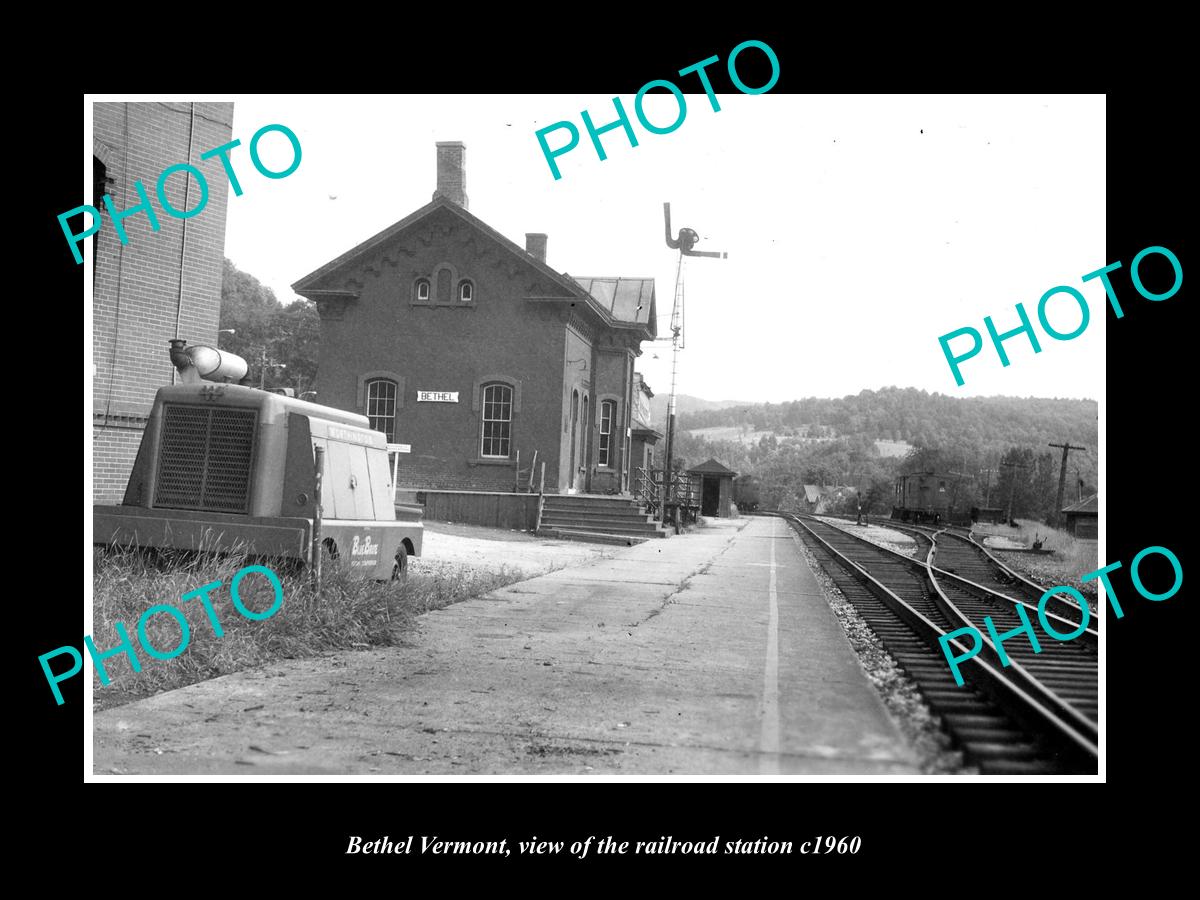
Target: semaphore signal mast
[685, 244]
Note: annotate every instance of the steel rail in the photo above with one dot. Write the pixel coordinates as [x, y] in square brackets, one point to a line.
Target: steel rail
[1034, 707]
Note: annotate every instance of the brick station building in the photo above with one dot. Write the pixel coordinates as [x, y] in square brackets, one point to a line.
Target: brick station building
[159, 285]
[475, 353]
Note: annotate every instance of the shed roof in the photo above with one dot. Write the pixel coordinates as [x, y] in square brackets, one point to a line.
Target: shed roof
[1088, 505]
[711, 467]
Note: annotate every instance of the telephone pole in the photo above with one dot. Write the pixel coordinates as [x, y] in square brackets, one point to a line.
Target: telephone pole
[1062, 478]
[1012, 484]
[987, 489]
[265, 361]
[958, 477]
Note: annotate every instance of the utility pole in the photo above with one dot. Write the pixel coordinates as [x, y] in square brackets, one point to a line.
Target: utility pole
[1012, 484]
[265, 361]
[958, 477]
[1062, 478]
[987, 490]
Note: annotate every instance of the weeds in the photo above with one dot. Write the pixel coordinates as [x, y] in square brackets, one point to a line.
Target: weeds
[349, 613]
[1072, 557]
[1073, 554]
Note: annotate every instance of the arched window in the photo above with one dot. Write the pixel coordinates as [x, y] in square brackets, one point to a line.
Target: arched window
[497, 421]
[381, 406]
[466, 292]
[608, 413]
[423, 290]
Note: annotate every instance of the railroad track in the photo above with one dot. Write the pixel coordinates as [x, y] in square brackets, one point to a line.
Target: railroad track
[960, 554]
[1038, 715]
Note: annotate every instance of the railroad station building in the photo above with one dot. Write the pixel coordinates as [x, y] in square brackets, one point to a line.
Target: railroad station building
[161, 283]
[476, 355]
[644, 436]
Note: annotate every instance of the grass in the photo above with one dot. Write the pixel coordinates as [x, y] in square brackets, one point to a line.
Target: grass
[1072, 557]
[349, 613]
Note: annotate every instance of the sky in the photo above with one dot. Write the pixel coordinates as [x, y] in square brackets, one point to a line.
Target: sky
[859, 229]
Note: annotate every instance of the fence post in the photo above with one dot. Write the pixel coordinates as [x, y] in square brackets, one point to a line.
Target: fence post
[316, 539]
[541, 497]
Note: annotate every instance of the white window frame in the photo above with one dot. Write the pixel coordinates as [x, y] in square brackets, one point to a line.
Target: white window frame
[489, 405]
[608, 412]
[371, 401]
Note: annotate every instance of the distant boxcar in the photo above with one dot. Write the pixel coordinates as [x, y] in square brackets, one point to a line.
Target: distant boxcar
[922, 497]
[745, 493]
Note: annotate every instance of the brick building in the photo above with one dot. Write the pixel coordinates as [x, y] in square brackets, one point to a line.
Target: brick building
[644, 435]
[161, 284]
[471, 349]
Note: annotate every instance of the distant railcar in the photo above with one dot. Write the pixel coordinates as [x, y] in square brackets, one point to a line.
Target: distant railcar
[922, 497]
[746, 493]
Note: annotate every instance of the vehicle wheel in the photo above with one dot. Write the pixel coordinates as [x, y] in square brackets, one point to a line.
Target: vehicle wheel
[330, 557]
[400, 569]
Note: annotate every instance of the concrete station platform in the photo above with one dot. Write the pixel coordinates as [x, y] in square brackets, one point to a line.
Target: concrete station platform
[711, 653]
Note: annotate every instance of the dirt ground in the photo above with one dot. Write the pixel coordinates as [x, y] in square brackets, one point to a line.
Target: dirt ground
[711, 652]
[877, 534]
[450, 545]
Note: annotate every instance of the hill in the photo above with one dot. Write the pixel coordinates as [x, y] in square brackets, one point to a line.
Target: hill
[687, 405]
[866, 439]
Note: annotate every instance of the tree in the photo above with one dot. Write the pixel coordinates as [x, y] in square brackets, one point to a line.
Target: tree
[290, 335]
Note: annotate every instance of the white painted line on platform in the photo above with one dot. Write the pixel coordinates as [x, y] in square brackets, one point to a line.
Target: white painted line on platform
[768, 744]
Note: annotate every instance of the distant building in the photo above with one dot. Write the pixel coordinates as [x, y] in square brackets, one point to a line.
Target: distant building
[1083, 518]
[160, 284]
[473, 351]
[818, 499]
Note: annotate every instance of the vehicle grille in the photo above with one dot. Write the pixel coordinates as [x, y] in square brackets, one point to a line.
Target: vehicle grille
[204, 458]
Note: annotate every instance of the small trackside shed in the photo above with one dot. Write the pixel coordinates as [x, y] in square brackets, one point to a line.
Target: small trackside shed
[1083, 518]
[716, 491]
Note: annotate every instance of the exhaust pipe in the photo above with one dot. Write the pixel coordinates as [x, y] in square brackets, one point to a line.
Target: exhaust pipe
[202, 363]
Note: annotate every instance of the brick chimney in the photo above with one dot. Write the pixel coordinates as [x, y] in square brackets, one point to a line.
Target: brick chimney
[452, 172]
[535, 246]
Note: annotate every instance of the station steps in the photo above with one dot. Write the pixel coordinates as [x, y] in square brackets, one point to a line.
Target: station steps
[609, 520]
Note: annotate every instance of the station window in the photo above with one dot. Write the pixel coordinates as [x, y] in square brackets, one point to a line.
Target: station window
[497, 421]
[466, 292]
[381, 406]
[608, 412]
[941, 487]
[423, 289]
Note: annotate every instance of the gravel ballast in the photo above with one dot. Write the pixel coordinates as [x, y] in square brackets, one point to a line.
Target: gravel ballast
[900, 695]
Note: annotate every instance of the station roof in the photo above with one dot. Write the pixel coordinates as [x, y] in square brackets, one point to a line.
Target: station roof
[626, 299]
[620, 302]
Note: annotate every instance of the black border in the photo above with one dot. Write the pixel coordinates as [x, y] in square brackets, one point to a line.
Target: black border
[1146, 496]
